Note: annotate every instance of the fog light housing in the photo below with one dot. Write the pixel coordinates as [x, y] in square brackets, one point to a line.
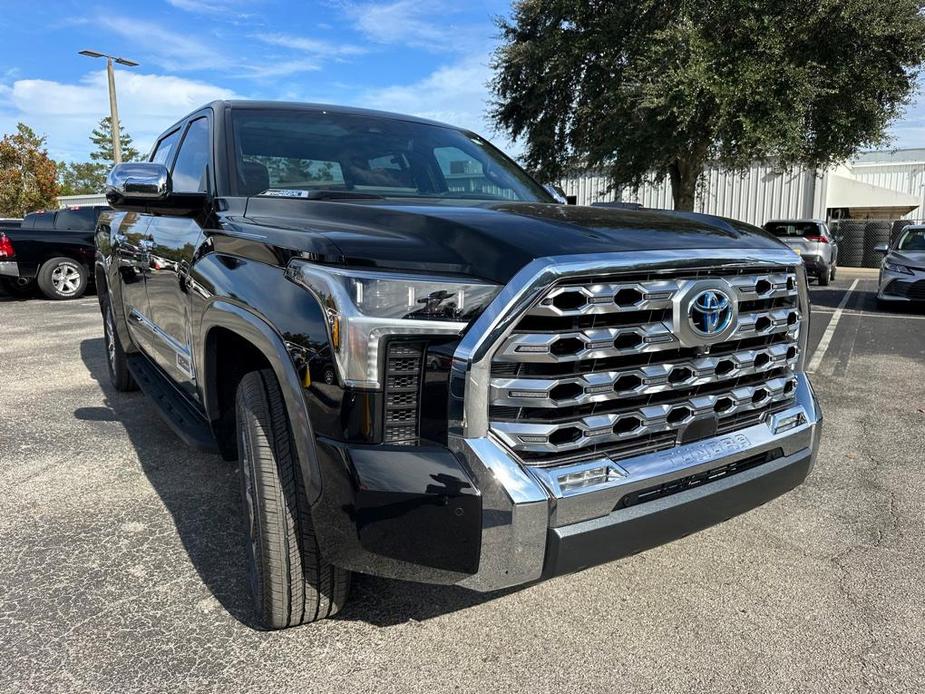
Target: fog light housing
[788, 422]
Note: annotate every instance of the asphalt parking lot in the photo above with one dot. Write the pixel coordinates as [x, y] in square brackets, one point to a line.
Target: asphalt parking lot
[121, 568]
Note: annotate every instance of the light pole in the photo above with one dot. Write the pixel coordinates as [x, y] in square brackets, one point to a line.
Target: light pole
[113, 107]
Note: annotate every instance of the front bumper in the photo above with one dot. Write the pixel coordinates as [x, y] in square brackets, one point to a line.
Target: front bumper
[899, 286]
[532, 529]
[9, 268]
[814, 264]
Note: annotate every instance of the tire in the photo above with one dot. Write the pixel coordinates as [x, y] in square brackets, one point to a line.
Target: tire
[824, 278]
[18, 287]
[63, 278]
[291, 583]
[119, 375]
[832, 273]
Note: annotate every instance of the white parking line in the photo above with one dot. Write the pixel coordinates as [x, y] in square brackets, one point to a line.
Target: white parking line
[870, 314]
[829, 331]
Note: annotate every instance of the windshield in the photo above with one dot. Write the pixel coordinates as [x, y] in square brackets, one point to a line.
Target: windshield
[793, 229]
[912, 240]
[289, 152]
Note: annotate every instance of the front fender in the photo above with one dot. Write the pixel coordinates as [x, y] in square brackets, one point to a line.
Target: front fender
[224, 314]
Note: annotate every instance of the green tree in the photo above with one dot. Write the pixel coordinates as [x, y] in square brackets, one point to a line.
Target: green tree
[81, 178]
[27, 175]
[642, 89]
[101, 137]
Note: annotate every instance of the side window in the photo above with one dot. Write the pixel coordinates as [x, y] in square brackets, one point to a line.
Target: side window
[465, 174]
[189, 169]
[165, 147]
[82, 219]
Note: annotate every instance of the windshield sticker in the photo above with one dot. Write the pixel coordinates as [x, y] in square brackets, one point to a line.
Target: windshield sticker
[284, 193]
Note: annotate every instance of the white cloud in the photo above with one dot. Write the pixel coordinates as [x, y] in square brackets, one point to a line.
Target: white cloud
[410, 23]
[313, 46]
[67, 113]
[312, 55]
[456, 94]
[224, 8]
[165, 47]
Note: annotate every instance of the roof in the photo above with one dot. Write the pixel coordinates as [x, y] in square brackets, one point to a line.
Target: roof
[891, 156]
[850, 192]
[225, 104]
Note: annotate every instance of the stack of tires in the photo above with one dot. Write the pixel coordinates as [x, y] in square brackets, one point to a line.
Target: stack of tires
[851, 243]
[875, 233]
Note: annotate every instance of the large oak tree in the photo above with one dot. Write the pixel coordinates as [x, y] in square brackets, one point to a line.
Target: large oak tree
[640, 89]
[27, 175]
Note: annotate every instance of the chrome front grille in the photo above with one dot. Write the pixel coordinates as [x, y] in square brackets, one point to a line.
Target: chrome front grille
[607, 366]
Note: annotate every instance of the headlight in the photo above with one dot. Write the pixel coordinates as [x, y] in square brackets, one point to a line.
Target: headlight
[894, 267]
[364, 307]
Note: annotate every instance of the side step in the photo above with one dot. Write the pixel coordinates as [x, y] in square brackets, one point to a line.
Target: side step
[179, 414]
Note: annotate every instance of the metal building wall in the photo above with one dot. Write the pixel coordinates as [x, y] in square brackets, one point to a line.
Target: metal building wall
[755, 197]
[906, 177]
[80, 200]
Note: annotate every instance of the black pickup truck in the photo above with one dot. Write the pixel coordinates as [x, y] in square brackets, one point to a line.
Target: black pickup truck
[432, 371]
[54, 250]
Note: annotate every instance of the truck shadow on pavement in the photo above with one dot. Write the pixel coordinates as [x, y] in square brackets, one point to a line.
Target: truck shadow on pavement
[202, 494]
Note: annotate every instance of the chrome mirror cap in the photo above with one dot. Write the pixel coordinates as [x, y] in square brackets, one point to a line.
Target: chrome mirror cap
[137, 181]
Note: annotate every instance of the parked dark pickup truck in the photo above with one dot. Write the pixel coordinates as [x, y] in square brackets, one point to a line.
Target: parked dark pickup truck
[430, 370]
[52, 249]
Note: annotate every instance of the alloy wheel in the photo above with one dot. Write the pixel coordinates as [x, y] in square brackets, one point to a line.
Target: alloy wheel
[66, 279]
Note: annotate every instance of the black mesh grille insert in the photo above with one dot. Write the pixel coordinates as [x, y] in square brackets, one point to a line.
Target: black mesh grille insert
[403, 363]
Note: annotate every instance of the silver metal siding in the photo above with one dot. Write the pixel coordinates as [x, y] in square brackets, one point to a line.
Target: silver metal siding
[753, 196]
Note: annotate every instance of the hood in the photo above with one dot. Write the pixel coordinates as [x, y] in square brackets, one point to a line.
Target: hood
[489, 240]
[915, 259]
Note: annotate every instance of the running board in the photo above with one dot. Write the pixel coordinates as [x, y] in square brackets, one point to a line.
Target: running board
[179, 414]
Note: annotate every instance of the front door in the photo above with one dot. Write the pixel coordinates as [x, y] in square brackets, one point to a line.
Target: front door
[173, 244]
[130, 244]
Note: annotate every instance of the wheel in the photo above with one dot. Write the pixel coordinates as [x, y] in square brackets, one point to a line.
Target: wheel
[20, 287]
[832, 273]
[63, 278]
[119, 374]
[290, 581]
[824, 278]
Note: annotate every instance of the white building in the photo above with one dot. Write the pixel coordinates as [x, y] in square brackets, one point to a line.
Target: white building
[875, 185]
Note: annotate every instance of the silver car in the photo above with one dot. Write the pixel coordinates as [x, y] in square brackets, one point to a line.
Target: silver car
[812, 240]
[902, 273]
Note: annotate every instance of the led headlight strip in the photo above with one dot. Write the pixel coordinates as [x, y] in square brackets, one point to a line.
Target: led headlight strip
[363, 308]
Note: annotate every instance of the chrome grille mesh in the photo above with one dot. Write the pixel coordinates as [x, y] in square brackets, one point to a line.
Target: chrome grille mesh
[598, 364]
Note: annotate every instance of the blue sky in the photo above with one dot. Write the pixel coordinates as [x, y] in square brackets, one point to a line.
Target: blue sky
[423, 57]
[412, 56]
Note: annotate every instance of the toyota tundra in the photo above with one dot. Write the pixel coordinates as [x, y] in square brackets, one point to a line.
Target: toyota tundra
[430, 369]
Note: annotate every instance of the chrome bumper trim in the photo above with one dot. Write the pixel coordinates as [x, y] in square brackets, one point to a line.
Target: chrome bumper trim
[9, 268]
[520, 505]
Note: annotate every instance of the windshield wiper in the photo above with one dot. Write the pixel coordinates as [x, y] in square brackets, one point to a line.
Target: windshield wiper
[342, 195]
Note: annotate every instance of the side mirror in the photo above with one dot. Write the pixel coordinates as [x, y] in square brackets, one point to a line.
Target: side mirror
[556, 192]
[146, 187]
[882, 248]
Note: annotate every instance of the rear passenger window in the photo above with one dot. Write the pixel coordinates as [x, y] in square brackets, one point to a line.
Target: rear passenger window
[83, 219]
[189, 169]
[165, 147]
[39, 220]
